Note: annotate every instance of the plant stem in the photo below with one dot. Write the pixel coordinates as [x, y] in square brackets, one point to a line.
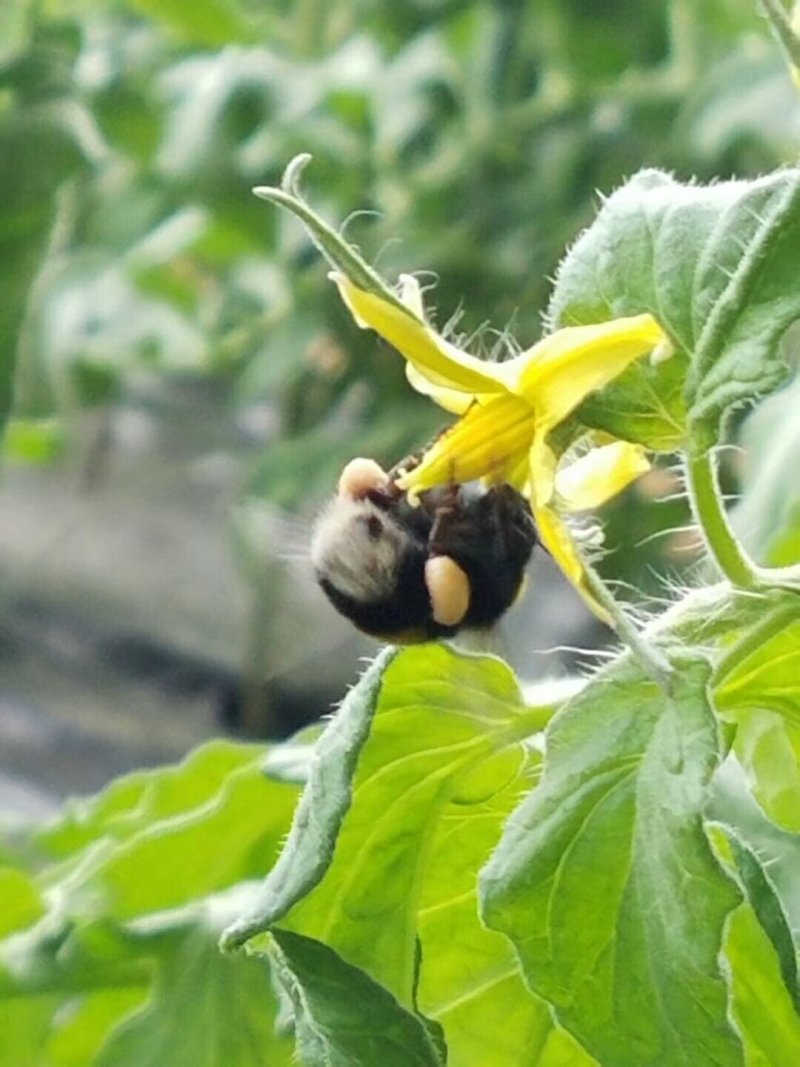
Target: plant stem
[709, 512]
[652, 659]
[783, 29]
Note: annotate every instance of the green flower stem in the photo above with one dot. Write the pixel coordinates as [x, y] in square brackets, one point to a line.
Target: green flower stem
[781, 577]
[709, 511]
[342, 256]
[652, 659]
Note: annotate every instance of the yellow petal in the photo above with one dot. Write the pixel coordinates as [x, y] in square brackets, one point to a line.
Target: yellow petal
[556, 538]
[440, 362]
[449, 399]
[543, 465]
[600, 475]
[563, 368]
[490, 440]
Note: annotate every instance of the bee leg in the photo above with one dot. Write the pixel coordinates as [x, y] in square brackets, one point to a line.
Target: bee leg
[403, 466]
[445, 519]
[448, 589]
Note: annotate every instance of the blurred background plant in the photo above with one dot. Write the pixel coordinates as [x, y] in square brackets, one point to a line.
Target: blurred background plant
[187, 385]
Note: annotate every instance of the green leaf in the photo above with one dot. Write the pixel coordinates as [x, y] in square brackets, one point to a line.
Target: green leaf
[205, 22]
[767, 863]
[645, 404]
[768, 747]
[205, 1009]
[761, 1006]
[766, 905]
[81, 1027]
[407, 797]
[758, 689]
[234, 835]
[716, 265]
[342, 1017]
[25, 1030]
[135, 801]
[606, 884]
[158, 840]
[322, 807]
[767, 516]
[20, 901]
[766, 674]
[291, 760]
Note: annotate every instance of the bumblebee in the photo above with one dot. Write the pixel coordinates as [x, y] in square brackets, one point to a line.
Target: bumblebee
[416, 572]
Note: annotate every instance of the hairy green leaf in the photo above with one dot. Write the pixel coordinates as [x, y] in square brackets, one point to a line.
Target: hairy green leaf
[135, 801]
[83, 1024]
[767, 674]
[385, 874]
[342, 1017]
[767, 517]
[768, 747]
[717, 266]
[166, 838]
[159, 840]
[766, 860]
[605, 881]
[762, 1008]
[758, 689]
[205, 1009]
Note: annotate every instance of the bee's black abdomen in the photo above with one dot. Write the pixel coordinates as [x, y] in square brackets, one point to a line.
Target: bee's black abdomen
[492, 539]
[406, 612]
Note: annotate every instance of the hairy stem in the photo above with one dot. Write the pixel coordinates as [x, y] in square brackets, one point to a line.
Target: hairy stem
[651, 658]
[709, 512]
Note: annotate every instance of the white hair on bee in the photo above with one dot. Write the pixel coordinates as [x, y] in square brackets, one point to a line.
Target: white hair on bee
[357, 547]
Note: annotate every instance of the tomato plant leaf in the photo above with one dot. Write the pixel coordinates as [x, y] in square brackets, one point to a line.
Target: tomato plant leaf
[309, 849]
[761, 1004]
[137, 911]
[235, 1026]
[716, 265]
[231, 833]
[768, 747]
[758, 689]
[765, 676]
[134, 801]
[767, 864]
[80, 1031]
[439, 763]
[606, 884]
[342, 1017]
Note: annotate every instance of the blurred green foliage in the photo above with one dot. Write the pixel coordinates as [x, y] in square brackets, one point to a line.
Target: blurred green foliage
[474, 135]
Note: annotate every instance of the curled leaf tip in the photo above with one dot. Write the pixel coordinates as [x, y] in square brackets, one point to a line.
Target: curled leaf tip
[291, 176]
[266, 192]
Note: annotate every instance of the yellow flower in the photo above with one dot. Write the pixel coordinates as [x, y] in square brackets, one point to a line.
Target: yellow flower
[508, 410]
